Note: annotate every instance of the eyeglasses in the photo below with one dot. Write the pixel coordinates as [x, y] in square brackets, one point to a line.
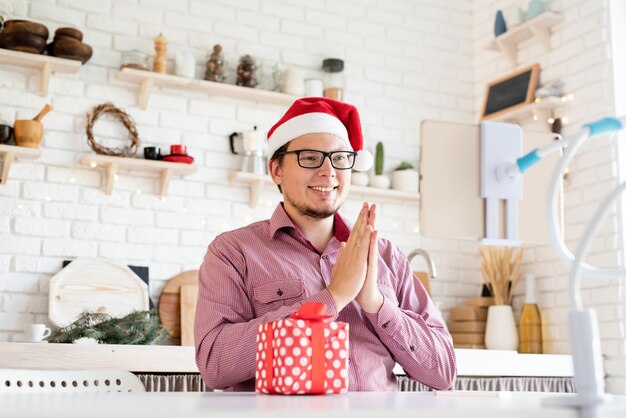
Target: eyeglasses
[309, 158]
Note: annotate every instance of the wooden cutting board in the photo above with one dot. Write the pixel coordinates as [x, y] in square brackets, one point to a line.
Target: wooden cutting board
[170, 302]
[95, 285]
[188, 300]
[424, 279]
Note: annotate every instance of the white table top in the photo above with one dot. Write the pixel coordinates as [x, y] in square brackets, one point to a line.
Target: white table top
[164, 358]
[233, 405]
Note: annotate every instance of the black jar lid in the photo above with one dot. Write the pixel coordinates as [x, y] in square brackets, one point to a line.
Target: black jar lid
[332, 65]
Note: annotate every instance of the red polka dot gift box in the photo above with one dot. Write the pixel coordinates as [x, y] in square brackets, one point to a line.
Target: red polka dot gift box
[302, 354]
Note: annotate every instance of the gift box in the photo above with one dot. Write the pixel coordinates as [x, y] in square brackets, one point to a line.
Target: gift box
[302, 354]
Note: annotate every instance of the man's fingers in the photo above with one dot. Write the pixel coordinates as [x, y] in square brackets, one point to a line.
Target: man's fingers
[360, 227]
[372, 216]
[373, 247]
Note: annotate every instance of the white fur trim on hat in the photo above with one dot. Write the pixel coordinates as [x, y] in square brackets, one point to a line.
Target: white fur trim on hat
[307, 123]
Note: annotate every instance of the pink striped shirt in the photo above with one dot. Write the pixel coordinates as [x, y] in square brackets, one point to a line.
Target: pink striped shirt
[266, 270]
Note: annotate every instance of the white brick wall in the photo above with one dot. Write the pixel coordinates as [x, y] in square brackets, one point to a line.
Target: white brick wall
[406, 61]
[53, 209]
[581, 58]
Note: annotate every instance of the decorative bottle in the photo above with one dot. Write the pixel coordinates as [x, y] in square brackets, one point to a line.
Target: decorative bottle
[530, 321]
[160, 60]
[334, 78]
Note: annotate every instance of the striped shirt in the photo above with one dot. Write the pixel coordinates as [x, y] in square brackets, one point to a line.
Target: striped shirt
[266, 270]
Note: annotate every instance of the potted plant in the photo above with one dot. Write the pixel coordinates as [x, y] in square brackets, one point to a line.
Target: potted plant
[359, 178]
[380, 180]
[405, 178]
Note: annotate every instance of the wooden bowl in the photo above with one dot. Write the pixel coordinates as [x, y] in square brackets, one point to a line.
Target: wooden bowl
[22, 41]
[71, 32]
[70, 48]
[27, 133]
[25, 26]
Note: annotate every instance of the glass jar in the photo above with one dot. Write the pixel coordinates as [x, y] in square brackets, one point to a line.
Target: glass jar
[333, 78]
[215, 66]
[246, 72]
[134, 59]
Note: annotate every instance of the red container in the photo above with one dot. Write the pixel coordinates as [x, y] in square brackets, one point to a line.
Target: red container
[178, 149]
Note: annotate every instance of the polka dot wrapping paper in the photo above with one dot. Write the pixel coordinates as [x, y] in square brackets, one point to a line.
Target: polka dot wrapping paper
[302, 354]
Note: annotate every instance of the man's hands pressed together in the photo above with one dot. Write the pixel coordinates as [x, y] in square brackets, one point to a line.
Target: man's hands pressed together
[355, 272]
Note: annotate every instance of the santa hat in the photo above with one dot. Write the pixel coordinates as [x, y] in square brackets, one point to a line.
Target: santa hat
[321, 115]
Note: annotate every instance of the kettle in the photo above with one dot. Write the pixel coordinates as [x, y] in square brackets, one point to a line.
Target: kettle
[253, 145]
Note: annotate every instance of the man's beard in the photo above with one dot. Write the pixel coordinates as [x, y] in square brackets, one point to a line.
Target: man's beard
[309, 211]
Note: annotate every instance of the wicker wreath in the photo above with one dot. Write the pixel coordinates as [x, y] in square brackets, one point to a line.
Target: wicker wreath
[123, 117]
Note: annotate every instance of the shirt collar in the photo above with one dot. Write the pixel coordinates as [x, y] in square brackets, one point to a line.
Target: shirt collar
[280, 220]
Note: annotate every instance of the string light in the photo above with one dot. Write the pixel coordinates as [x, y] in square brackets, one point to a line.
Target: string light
[138, 191]
[185, 210]
[93, 164]
[48, 198]
[116, 177]
[73, 180]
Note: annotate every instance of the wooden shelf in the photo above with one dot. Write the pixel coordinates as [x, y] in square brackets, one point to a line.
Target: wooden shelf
[540, 109]
[537, 27]
[257, 182]
[9, 153]
[110, 165]
[148, 79]
[45, 63]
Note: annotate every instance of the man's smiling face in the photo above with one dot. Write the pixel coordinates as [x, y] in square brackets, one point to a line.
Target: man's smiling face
[313, 192]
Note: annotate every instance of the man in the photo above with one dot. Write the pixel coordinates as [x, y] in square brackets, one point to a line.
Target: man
[307, 252]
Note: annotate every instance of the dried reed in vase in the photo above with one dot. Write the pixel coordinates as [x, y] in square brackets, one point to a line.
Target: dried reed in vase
[500, 268]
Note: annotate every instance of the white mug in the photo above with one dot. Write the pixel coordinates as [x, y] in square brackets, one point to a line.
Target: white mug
[185, 64]
[293, 81]
[35, 333]
[313, 87]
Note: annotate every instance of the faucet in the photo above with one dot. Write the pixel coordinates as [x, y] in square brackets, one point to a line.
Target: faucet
[432, 271]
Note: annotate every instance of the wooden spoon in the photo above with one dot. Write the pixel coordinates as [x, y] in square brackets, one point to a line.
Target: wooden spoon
[43, 112]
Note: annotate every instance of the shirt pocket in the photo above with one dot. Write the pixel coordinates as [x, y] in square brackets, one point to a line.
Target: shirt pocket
[270, 296]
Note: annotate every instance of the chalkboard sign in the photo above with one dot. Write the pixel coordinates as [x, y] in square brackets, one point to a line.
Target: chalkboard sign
[510, 92]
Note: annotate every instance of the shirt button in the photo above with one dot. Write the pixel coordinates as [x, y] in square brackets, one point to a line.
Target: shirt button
[280, 292]
[385, 325]
[323, 257]
[412, 348]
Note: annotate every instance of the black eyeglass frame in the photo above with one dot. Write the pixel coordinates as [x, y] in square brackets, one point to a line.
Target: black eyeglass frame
[325, 154]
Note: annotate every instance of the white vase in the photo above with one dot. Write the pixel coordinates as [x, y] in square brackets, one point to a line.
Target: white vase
[405, 180]
[501, 333]
[380, 181]
[360, 178]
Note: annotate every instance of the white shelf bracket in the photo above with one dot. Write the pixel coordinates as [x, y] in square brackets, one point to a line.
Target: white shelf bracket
[543, 36]
[7, 160]
[165, 181]
[144, 92]
[255, 191]
[509, 50]
[46, 70]
[109, 178]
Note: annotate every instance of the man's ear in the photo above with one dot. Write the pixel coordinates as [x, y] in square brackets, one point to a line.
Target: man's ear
[276, 171]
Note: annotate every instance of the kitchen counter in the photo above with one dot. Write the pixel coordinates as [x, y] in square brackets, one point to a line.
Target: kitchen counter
[234, 405]
[179, 359]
